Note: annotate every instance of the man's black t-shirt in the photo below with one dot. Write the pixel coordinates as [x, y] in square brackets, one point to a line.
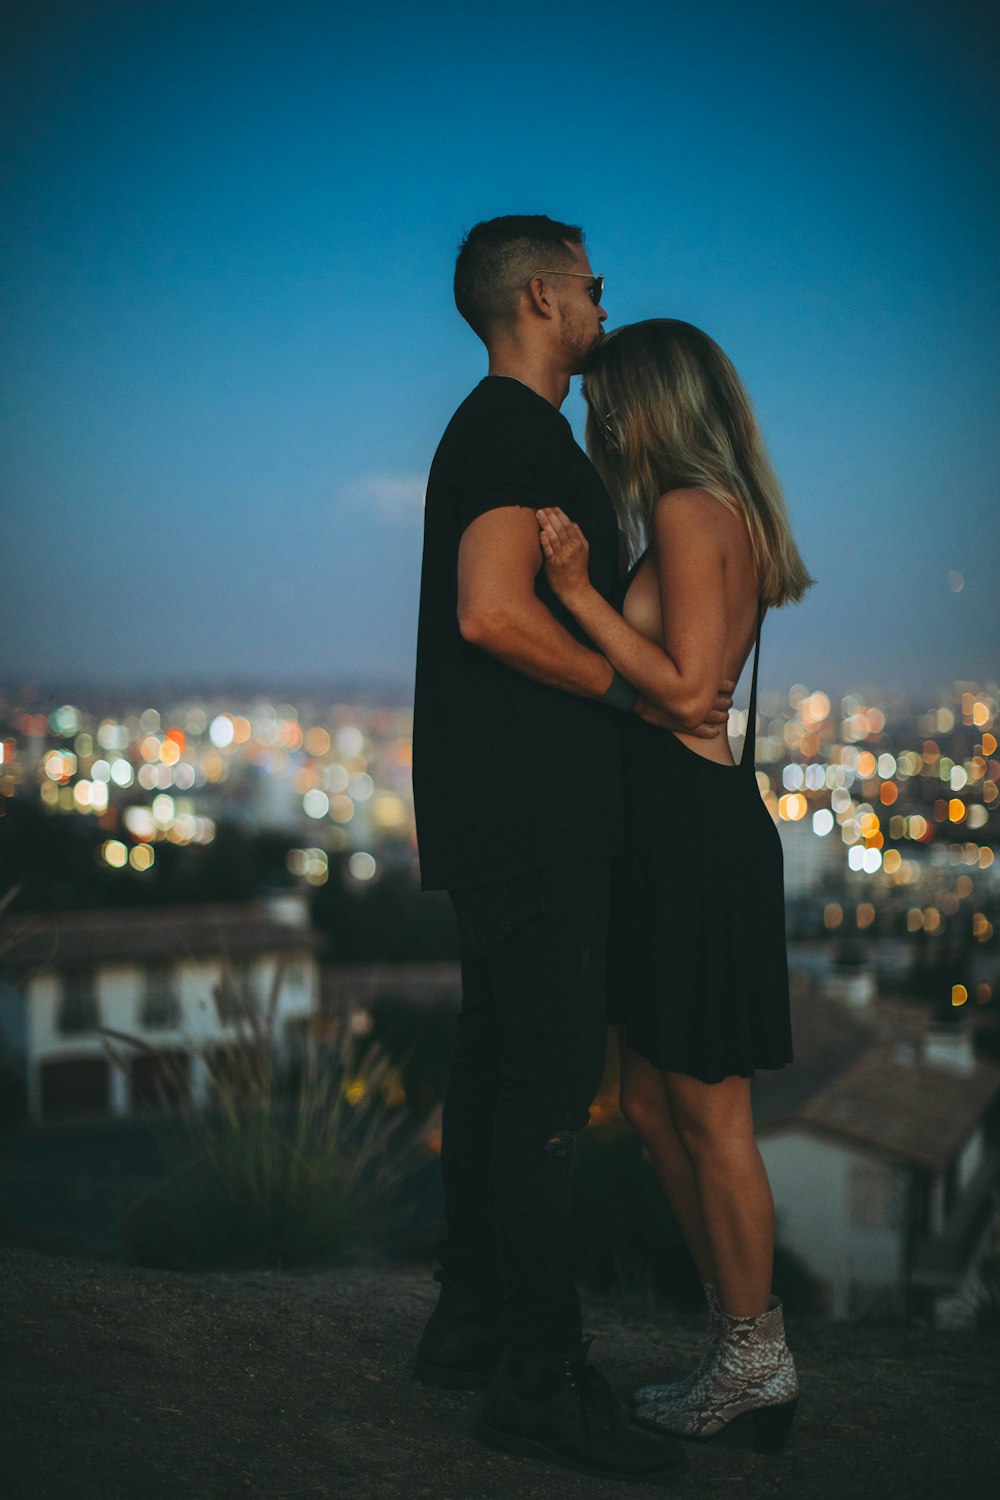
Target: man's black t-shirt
[508, 775]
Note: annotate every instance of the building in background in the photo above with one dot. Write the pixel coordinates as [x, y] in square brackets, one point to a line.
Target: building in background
[884, 1176]
[352, 991]
[175, 979]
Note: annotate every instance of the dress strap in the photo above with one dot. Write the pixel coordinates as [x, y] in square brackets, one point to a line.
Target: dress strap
[749, 754]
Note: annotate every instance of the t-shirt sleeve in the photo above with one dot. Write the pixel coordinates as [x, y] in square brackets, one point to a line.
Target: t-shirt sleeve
[504, 466]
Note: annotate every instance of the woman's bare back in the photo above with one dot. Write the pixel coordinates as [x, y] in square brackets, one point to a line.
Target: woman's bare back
[642, 606]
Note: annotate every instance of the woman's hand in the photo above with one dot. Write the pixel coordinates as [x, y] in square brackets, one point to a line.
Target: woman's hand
[566, 554]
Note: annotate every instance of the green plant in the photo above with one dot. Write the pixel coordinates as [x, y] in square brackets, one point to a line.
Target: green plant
[419, 1039]
[987, 1299]
[290, 1160]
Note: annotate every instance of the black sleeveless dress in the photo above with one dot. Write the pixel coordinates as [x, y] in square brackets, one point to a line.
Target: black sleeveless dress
[697, 969]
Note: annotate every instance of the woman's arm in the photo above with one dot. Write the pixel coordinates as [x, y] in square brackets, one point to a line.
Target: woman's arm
[499, 611]
[683, 675]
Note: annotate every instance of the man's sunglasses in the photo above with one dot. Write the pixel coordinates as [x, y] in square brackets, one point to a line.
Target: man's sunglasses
[595, 290]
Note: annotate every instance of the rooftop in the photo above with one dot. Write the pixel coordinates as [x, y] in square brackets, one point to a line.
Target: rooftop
[45, 940]
[895, 1099]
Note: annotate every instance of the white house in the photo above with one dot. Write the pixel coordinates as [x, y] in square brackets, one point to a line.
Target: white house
[884, 1179]
[170, 977]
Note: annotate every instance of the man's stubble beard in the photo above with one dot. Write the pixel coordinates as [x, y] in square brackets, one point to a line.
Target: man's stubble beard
[579, 342]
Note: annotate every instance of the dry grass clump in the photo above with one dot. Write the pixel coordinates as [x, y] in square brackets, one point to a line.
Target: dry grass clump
[290, 1161]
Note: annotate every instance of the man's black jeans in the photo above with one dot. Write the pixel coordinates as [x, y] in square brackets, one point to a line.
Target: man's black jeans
[528, 1059]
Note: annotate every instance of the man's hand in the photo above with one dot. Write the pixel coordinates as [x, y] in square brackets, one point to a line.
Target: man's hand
[715, 721]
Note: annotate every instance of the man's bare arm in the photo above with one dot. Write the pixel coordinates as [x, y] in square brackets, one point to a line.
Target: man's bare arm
[499, 559]
[498, 610]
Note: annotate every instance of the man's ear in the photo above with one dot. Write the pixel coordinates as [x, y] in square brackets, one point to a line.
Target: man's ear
[539, 296]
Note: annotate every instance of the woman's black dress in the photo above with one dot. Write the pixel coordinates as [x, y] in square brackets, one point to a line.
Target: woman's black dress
[697, 970]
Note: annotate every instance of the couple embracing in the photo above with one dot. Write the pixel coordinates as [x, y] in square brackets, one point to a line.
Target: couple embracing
[607, 860]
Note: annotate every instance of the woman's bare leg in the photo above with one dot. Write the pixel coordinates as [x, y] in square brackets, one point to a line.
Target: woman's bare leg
[714, 1122]
[646, 1106]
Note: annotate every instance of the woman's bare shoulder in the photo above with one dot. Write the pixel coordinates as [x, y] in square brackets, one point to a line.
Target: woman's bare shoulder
[693, 510]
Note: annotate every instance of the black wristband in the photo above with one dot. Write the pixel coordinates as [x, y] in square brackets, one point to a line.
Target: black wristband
[620, 694]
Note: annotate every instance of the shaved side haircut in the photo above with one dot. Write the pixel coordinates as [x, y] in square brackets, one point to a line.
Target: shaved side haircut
[498, 257]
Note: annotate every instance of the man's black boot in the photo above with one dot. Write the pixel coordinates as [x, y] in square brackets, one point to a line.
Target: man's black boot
[460, 1347]
[563, 1411]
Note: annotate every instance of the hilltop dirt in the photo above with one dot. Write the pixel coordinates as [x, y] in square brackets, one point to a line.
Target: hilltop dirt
[124, 1384]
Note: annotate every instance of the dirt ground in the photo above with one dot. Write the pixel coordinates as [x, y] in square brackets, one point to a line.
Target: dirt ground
[123, 1384]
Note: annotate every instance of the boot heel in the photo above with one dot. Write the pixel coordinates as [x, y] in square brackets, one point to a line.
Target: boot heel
[772, 1424]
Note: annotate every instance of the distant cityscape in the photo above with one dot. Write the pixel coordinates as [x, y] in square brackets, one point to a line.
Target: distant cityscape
[338, 777]
[888, 813]
[179, 858]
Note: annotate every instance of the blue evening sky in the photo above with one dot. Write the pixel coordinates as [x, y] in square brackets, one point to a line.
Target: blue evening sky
[232, 347]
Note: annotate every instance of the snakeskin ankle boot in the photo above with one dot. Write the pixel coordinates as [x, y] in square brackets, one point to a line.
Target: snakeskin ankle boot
[679, 1390]
[753, 1373]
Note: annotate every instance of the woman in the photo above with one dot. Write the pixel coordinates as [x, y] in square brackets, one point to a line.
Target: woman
[697, 967]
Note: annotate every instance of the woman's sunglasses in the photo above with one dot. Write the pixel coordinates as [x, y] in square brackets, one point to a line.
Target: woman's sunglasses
[612, 443]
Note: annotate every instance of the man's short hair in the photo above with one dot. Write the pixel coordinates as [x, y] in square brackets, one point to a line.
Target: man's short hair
[498, 257]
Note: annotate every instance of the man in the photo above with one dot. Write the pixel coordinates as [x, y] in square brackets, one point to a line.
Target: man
[518, 800]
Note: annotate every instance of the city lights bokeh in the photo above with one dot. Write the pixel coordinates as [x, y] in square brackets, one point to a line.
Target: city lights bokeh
[148, 778]
[889, 811]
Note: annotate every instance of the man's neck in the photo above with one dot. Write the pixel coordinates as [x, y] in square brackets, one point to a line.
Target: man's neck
[536, 374]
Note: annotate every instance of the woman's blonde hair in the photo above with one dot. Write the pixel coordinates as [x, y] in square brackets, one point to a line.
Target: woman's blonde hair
[663, 394]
